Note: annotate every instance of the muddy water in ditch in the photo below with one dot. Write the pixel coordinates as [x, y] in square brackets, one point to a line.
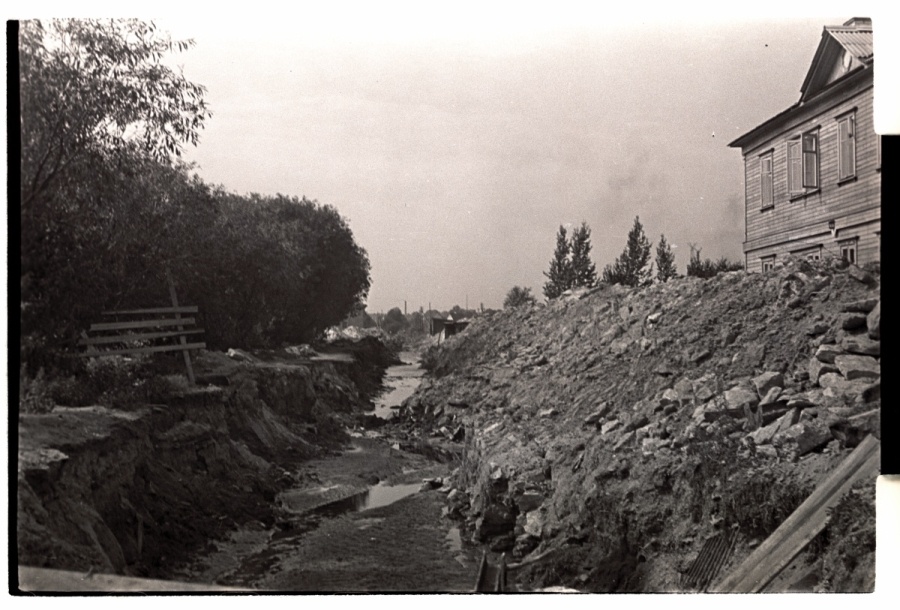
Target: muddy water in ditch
[335, 533]
[384, 538]
[401, 381]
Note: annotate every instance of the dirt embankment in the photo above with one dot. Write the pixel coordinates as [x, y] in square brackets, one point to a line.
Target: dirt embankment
[140, 490]
[614, 432]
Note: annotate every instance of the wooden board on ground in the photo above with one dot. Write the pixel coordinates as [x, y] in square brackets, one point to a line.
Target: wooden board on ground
[43, 580]
[804, 524]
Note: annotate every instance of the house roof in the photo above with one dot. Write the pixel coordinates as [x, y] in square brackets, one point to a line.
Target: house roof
[857, 42]
[853, 37]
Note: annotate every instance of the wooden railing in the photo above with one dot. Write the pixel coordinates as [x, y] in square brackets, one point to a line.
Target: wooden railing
[146, 331]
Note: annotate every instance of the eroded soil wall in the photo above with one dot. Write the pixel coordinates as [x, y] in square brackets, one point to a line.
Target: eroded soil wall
[139, 490]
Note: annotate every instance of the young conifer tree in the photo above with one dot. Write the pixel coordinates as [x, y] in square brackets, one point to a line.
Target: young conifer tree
[630, 269]
[665, 260]
[559, 277]
[584, 273]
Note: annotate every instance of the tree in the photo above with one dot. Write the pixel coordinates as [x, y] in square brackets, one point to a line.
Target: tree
[517, 297]
[108, 209]
[459, 313]
[665, 260]
[99, 85]
[630, 268]
[559, 277]
[394, 321]
[584, 273]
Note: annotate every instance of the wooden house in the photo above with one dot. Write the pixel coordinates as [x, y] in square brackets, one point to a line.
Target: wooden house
[812, 173]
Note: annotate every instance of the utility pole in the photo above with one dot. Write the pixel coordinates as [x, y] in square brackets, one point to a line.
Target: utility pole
[404, 307]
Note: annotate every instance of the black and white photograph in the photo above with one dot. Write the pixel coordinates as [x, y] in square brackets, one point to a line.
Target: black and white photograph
[407, 298]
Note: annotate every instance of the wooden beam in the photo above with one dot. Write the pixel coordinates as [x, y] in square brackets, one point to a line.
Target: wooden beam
[804, 524]
[145, 350]
[481, 579]
[141, 324]
[106, 339]
[182, 340]
[154, 311]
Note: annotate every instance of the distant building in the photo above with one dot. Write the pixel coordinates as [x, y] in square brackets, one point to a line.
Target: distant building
[444, 328]
[812, 173]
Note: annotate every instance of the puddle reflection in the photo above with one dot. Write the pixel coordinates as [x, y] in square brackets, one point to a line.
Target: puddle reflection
[374, 497]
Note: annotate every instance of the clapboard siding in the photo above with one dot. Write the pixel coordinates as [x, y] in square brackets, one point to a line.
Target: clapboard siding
[791, 224]
[868, 246]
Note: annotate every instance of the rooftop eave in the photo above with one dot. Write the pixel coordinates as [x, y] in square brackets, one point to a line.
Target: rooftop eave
[745, 139]
[740, 141]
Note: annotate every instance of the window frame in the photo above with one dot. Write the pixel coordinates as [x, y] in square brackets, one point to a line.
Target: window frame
[850, 245]
[767, 263]
[795, 183]
[809, 252]
[848, 119]
[767, 157]
[810, 149]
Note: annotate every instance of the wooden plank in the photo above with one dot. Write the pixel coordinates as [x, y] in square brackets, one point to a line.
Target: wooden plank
[145, 350]
[794, 544]
[803, 525]
[500, 583]
[138, 336]
[481, 580]
[154, 311]
[187, 356]
[141, 324]
[768, 559]
[45, 580]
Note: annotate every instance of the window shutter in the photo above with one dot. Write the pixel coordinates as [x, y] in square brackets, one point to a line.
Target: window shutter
[847, 148]
[766, 180]
[811, 160]
[795, 167]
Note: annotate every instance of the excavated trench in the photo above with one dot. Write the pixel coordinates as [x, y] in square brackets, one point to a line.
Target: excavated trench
[253, 482]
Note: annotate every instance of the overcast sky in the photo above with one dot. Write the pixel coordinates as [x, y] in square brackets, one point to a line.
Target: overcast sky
[456, 141]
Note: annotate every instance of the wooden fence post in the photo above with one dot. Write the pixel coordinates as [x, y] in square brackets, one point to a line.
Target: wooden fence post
[182, 340]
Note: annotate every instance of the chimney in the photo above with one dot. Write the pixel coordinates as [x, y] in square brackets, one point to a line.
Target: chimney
[859, 23]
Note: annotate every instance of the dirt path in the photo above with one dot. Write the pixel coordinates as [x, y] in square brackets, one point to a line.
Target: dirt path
[323, 541]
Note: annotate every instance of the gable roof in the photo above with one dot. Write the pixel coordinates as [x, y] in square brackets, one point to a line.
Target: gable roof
[853, 38]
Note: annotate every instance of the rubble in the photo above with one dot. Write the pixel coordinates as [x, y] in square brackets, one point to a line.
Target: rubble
[654, 401]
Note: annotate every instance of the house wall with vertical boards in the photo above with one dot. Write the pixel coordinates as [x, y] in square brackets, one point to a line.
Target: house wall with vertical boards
[798, 222]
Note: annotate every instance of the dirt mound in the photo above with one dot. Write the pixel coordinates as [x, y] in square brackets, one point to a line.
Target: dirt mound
[626, 428]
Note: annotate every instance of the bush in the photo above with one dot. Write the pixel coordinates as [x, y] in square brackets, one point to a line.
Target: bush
[75, 391]
[35, 394]
[708, 268]
[517, 297]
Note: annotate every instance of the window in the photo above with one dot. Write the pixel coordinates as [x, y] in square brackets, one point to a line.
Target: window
[812, 254]
[795, 167]
[768, 263]
[847, 147]
[810, 143]
[766, 181]
[848, 250]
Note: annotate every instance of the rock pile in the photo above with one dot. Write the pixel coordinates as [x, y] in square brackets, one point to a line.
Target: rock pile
[591, 421]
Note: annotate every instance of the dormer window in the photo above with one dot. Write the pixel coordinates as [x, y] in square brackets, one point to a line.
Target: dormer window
[846, 61]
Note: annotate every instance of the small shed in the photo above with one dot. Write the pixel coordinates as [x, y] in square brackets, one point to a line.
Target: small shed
[444, 328]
